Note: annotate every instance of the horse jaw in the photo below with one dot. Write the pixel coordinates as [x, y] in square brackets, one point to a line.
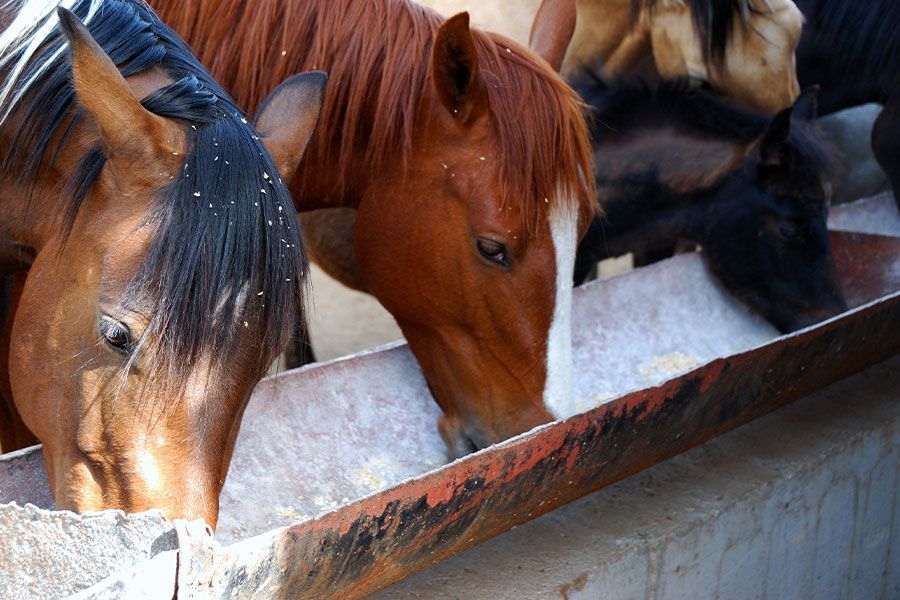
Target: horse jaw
[559, 397]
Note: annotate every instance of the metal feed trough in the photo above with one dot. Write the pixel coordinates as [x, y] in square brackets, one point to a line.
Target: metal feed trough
[340, 474]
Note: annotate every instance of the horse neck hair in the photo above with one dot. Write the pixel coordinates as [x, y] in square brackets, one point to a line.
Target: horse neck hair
[34, 23]
[872, 50]
[371, 110]
[630, 109]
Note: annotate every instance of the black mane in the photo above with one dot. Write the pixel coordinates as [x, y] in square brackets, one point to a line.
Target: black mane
[634, 105]
[863, 36]
[227, 246]
[632, 102]
[713, 20]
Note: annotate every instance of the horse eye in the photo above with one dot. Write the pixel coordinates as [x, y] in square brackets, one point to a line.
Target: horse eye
[116, 335]
[493, 251]
[790, 232]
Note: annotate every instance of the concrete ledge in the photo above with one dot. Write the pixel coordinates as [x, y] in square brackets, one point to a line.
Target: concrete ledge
[52, 554]
[799, 504]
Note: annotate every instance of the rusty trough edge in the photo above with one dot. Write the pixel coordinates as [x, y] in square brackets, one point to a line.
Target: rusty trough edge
[365, 546]
[375, 541]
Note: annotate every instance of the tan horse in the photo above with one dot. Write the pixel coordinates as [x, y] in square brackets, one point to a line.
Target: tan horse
[746, 54]
[148, 267]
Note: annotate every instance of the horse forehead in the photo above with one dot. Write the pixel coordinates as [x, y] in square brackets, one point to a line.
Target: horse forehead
[123, 244]
[785, 13]
[774, 36]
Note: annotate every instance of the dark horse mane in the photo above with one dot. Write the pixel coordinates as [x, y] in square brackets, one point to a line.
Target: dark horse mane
[713, 20]
[635, 105]
[227, 246]
[873, 47]
[379, 53]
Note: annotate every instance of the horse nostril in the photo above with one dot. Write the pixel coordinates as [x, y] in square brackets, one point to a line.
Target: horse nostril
[453, 434]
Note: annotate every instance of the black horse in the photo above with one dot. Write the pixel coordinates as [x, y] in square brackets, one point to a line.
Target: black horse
[851, 49]
[674, 164]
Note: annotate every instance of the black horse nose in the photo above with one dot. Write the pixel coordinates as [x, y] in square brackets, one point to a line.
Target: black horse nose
[830, 306]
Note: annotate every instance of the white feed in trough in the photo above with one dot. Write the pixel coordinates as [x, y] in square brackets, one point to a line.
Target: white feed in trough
[877, 215]
[329, 434]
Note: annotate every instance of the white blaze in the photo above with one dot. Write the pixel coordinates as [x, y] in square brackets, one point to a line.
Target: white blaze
[148, 469]
[558, 389]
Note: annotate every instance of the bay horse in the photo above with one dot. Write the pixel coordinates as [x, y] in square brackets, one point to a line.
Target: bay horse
[675, 164]
[851, 49]
[149, 266]
[743, 49]
[467, 160]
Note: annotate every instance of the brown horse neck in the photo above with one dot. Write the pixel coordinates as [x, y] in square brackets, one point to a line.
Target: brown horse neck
[378, 91]
[24, 229]
[31, 209]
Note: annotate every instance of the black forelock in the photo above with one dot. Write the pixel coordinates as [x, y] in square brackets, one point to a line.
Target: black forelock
[227, 246]
[808, 161]
[713, 19]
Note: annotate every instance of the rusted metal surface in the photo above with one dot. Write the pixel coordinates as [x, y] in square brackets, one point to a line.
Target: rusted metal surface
[319, 438]
[302, 427]
[867, 265]
[369, 544]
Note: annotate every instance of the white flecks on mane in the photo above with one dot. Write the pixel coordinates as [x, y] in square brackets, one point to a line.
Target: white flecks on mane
[34, 24]
[559, 395]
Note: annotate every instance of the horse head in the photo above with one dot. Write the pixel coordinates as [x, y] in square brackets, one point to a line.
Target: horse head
[160, 293]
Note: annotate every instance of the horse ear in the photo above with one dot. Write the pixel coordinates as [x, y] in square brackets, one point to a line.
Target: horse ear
[288, 117]
[772, 145]
[773, 141]
[806, 106]
[131, 134]
[552, 30]
[454, 66]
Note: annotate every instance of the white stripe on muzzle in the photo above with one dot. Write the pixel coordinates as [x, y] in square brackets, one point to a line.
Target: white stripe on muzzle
[558, 389]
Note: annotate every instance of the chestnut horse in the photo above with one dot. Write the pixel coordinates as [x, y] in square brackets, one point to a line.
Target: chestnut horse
[743, 49]
[149, 259]
[677, 164]
[467, 159]
[851, 49]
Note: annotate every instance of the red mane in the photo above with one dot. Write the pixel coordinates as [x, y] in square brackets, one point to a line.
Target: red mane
[377, 54]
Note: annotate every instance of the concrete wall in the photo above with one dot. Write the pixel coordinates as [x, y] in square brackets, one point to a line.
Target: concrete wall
[799, 504]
